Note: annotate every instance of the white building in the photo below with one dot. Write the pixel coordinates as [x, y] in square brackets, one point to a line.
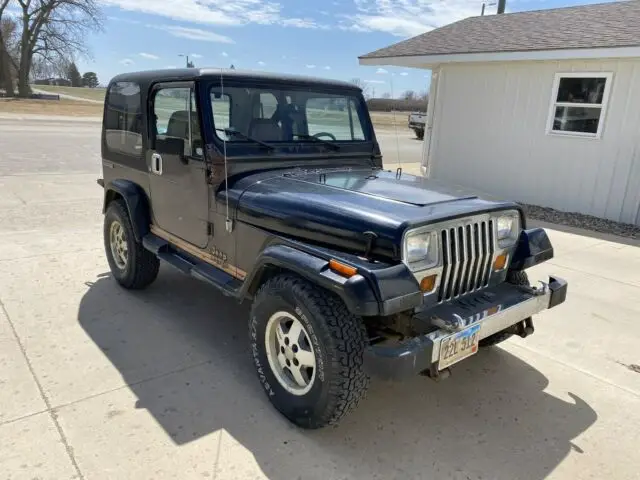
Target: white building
[539, 107]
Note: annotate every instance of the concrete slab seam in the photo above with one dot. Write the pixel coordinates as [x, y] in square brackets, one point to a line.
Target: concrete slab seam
[54, 417]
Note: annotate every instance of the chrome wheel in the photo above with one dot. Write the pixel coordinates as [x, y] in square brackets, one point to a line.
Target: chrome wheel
[290, 354]
[118, 243]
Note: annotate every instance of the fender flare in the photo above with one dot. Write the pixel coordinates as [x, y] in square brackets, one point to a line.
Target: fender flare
[533, 248]
[355, 292]
[136, 201]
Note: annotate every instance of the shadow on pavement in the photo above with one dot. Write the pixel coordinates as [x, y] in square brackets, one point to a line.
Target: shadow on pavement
[183, 350]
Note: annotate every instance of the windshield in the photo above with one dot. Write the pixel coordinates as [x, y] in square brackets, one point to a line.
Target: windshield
[276, 114]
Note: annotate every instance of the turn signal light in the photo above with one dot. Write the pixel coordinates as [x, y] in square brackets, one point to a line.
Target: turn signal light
[501, 262]
[427, 284]
[342, 269]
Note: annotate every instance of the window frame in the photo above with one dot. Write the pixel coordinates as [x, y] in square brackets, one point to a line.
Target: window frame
[553, 104]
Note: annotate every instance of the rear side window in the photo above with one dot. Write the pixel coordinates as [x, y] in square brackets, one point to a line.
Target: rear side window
[123, 119]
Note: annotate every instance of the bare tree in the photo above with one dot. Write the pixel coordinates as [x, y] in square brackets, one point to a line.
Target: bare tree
[363, 85]
[52, 30]
[409, 95]
[8, 50]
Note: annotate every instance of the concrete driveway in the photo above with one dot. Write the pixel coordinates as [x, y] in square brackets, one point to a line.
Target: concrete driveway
[100, 383]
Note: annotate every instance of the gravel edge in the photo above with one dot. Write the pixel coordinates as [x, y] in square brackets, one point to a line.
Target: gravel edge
[580, 220]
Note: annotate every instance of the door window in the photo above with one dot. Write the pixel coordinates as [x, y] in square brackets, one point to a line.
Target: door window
[175, 116]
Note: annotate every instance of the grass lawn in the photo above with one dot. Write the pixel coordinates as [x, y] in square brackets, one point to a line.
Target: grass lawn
[381, 120]
[50, 107]
[88, 93]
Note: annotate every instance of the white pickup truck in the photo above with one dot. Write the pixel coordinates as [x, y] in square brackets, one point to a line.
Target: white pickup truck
[417, 121]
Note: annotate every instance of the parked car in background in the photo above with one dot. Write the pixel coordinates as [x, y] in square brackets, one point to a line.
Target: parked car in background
[417, 121]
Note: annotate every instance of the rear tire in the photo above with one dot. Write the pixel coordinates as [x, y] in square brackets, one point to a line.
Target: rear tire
[515, 278]
[131, 264]
[420, 134]
[331, 339]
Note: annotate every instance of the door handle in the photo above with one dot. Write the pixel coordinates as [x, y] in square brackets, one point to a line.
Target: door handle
[156, 163]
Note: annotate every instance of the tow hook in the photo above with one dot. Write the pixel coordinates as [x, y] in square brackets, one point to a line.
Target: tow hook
[537, 291]
[436, 375]
[525, 328]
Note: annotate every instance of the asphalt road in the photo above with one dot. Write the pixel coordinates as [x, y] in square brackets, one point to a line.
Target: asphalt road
[97, 382]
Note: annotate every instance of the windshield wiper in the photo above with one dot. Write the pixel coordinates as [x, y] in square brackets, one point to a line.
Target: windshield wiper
[231, 131]
[316, 139]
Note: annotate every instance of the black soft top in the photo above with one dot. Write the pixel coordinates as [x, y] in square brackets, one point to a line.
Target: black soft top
[187, 74]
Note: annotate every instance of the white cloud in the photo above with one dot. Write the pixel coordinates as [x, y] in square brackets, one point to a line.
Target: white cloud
[149, 56]
[327, 67]
[215, 12]
[405, 18]
[261, 63]
[381, 71]
[127, 61]
[310, 66]
[404, 74]
[224, 54]
[170, 66]
[375, 81]
[196, 55]
[195, 34]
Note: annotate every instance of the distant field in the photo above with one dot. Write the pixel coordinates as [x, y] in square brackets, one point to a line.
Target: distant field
[49, 107]
[88, 93]
[383, 120]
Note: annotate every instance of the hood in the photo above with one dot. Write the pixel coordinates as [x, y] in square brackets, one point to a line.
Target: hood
[337, 207]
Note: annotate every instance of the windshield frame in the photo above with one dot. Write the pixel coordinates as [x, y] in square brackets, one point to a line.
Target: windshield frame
[298, 146]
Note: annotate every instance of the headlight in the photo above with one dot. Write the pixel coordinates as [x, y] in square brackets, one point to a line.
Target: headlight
[421, 250]
[508, 230]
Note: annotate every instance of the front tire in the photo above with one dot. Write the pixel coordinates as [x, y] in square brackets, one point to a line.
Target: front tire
[133, 266]
[308, 351]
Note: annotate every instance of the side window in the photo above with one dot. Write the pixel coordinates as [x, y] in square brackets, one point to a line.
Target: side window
[268, 105]
[123, 119]
[221, 106]
[175, 115]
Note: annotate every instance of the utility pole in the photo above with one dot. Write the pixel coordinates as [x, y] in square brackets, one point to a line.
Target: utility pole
[501, 6]
[486, 5]
[189, 65]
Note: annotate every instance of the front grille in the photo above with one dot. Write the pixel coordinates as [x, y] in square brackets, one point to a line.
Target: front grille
[467, 253]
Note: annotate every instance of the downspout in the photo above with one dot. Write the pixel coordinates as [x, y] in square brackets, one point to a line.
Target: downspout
[425, 168]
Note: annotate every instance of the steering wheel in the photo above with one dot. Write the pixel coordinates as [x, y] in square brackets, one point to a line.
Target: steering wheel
[325, 134]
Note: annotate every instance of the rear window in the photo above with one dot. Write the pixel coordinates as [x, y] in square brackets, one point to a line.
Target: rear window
[123, 119]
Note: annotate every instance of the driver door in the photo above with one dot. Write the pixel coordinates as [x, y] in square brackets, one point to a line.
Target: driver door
[178, 183]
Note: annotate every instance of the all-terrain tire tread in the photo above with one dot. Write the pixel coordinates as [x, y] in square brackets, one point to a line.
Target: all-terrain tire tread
[349, 335]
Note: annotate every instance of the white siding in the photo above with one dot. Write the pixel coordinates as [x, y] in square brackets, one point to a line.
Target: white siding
[489, 132]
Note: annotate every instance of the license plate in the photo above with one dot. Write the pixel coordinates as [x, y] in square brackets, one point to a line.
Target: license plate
[459, 346]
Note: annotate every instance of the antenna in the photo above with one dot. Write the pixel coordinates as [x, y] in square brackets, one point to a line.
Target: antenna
[395, 126]
[228, 223]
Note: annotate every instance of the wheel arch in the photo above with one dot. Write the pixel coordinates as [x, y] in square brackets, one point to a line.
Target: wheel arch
[136, 202]
[355, 292]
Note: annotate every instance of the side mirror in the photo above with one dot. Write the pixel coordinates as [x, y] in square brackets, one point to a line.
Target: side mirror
[170, 146]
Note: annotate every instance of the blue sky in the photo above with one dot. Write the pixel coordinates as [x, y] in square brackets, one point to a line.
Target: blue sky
[313, 37]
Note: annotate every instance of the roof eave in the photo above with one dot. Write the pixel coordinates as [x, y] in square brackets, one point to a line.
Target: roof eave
[429, 61]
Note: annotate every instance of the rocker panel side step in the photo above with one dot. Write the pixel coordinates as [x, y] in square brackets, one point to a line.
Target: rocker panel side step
[191, 265]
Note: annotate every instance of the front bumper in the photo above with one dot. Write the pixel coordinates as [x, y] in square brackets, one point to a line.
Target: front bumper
[494, 309]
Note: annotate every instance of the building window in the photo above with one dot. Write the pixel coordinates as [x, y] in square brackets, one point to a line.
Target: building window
[579, 103]
[123, 119]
